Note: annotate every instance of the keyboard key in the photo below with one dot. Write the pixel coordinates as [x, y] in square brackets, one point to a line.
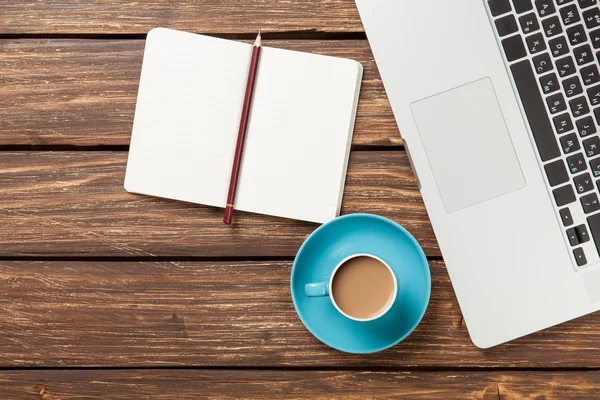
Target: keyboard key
[536, 43]
[579, 257]
[594, 95]
[545, 7]
[592, 146]
[552, 26]
[558, 46]
[564, 195]
[576, 35]
[535, 110]
[590, 75]
[594, 224]
[592, 17]
[576, 163]
[579, 107]
[562, 2]
[595, 38]
[572, 86]
[542, 63]
[522, 5]
[529, 23]
[565, 216]
[556, 103]
[586, 126]
[583, 54]
[583, 183]
[556, 172]
[549, 83]
[565, 66]
[570, 14]
[582, 234]
[586, 3]
[597, 115]
[590, 203]
[506, 25]
[595, 167]
[563, 123]
[569, 143]
[572, 236]
[499, 7]
[514, 48]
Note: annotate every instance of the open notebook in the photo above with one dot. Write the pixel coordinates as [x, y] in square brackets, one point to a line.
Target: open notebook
[187, 117]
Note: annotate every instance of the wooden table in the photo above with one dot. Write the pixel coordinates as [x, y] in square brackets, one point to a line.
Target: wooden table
[105, 294]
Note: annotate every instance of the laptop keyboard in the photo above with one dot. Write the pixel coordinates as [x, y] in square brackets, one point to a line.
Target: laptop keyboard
[552, 48]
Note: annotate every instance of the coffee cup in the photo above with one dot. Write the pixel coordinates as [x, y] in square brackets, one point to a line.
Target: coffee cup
[362, 287]
[322, 282]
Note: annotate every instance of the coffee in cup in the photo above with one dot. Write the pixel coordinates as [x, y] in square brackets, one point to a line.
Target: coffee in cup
[362, 287]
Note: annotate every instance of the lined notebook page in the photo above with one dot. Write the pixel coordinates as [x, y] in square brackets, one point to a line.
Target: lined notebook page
[187, 117]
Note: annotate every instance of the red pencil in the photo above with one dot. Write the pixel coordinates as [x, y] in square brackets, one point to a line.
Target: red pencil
[239, 147]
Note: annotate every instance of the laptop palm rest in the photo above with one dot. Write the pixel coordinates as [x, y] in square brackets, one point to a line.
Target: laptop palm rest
[468, 145]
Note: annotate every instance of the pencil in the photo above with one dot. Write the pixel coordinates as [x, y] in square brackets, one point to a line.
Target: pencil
[239, 147]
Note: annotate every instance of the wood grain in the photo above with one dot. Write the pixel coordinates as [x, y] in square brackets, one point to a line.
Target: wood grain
[296, 385]
[215, 314]
[234, 319]
[215, 16]
[83, 92]
[72, 204]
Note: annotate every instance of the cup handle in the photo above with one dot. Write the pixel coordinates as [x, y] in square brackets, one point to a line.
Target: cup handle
[320, 289]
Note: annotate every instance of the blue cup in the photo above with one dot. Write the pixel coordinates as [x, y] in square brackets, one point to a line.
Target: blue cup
[322, 289]
[330, 246]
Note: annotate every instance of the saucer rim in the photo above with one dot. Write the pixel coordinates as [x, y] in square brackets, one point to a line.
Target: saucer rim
[423, 259]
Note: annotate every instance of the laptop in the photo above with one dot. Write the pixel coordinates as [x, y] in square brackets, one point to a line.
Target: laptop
[498, 103]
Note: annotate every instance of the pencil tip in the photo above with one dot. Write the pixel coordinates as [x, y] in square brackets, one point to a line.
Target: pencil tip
[258, 40]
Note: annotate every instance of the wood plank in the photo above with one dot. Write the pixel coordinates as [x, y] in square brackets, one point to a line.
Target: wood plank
[215, 16]
[153, 314]
[65, 204]
[83, 92]
[296, 385]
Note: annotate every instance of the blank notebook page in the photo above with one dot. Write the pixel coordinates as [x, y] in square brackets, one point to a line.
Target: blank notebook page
[187, 119]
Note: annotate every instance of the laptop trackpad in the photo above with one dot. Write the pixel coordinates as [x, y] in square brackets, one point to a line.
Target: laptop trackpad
[468, 145]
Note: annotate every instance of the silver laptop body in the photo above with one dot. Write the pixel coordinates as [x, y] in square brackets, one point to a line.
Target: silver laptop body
[504, 148]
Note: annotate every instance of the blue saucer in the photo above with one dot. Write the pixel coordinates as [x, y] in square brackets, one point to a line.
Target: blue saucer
[340, 238]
